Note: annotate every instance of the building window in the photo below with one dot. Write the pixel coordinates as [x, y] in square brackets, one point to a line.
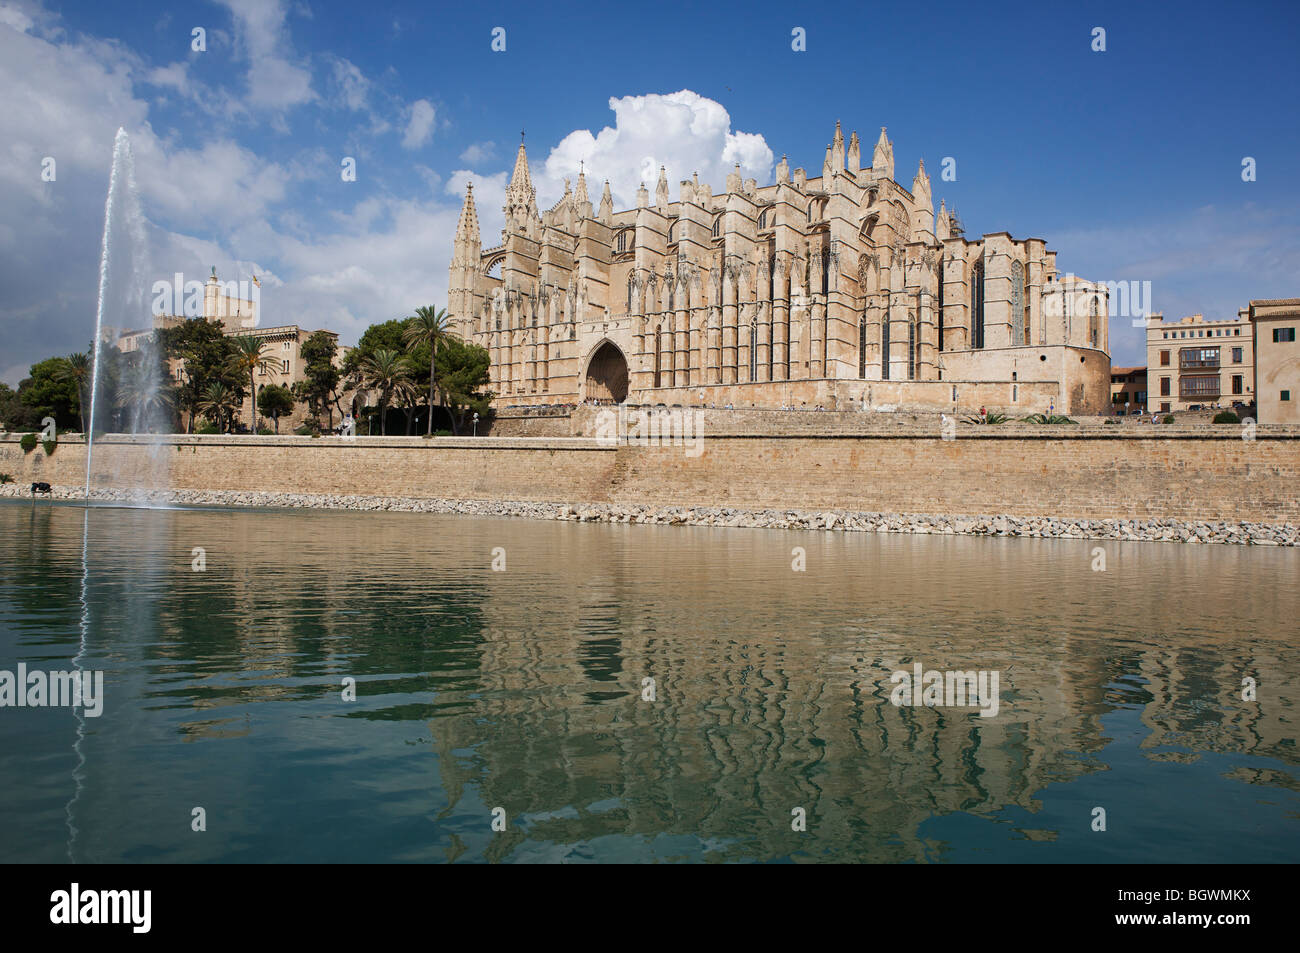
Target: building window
[762, 219]
[941, 302]
[1164, 387]
[1164, 408]
[977, 304]
[1236, 331]
[911, 347]
[1094, 324]
[1236, 355]
[1283, 335]
[717, 226]
[862, 347]
[1017, 303]
[884, 349]
[1236, 383]
[826, 270]
[1198, 357]
[1198, 386]
[1164, 358]
[1286, 395]
[625, 239]
[1166, 335]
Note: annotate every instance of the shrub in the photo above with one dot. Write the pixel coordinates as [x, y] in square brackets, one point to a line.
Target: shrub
[1048, 419]
[986, 419]
[309, 429]
[1111, 421]
[1168, 419]
[6, 478]
[1226, 417]
[265, 432]
[48, 446]
[207, 426]
[28, 442]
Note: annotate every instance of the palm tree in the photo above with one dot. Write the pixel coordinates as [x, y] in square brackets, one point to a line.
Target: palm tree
[142, 391]
[427, 326]
[249, 359]
[386, 371]
[218, 399]
[79, 371]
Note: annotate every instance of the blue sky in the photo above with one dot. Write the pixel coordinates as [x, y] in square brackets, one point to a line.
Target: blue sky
[1127, 161]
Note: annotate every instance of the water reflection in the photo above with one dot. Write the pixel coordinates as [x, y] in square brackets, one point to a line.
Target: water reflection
[524, 690]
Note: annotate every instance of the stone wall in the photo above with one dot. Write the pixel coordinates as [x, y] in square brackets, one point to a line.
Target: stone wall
[1072, 473]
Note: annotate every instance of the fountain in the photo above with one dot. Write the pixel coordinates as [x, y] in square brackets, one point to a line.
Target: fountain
[122, 284]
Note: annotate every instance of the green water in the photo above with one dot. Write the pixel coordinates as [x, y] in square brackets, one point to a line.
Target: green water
[522, 690]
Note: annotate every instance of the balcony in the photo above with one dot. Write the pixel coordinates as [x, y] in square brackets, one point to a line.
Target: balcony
[1196, 388]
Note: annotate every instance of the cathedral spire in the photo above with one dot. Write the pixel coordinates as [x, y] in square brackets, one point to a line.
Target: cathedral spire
[467, 228]
[855, 153]
[521, 198]
[606, 204]
[837, 149]
[521, 179]
[661, 190]
[921, 187]
[882, 160]
[581, 194]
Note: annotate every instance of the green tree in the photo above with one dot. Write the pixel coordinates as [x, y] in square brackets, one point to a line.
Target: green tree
[219, 403]
[14, 414]
[463, 378]
[143, 393]
[248, 358]
[275, 401]
[321, 380]
[206, 352]
[427, 327]
[50, 392]
[79, 372]
[388, 372]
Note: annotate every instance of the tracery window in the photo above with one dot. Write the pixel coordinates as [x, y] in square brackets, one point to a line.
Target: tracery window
[884, 349]
[862, 346]
[1017, 304]
[977, 304]
[911, 346]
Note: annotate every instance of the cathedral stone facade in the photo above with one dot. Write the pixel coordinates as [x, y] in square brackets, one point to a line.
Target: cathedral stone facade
[841, 291]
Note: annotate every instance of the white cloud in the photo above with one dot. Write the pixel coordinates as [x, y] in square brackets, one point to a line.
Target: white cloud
[419, 128]
[683, 131]
[478, 152]
[275, 80]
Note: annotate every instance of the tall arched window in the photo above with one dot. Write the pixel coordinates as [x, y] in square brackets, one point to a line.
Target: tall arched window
[657, 354]
[977, 304]
[826, 269]
[771, 277]
[911, 346]
[940, 308]
[762, 219]
[717, 226]
[624, 239]
[884, 348]
[631, 291]
[862, 346]
[753, 351]
[1017, 304]
[1094, 324]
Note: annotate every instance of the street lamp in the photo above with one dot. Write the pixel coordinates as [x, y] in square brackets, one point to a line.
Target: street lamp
[476, 423]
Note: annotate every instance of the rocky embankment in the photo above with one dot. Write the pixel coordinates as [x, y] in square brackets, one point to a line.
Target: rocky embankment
[1152, 530]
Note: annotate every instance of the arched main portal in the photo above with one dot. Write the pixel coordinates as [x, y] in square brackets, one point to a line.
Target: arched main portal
[607, 377]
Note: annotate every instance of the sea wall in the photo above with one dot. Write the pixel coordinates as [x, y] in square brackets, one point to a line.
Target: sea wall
[1202, 474]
